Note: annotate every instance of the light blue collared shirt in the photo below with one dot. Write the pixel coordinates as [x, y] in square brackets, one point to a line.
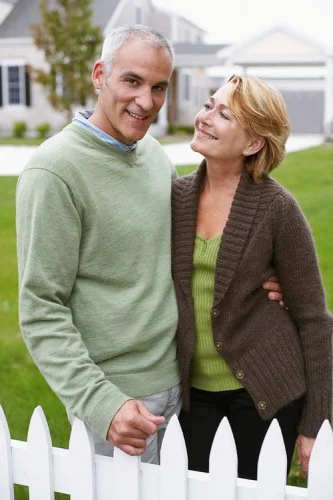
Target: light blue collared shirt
[81, 118]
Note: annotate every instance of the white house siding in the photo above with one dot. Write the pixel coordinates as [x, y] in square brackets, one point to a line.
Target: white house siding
[126, 14]
[280, 44]
[190, 100]
[5, 8]
[40, 110]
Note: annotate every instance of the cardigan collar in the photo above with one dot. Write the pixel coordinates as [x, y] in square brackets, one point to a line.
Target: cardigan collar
[236, 231]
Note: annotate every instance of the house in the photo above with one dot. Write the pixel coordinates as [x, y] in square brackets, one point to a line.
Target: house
[301, 68]
[23, 99]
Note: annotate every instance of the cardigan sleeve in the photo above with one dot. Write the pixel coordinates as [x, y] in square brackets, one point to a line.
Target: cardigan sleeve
[297, 267]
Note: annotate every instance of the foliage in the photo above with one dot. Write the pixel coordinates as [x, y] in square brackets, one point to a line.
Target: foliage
[70, 42]
[43, 129]
[20, 141]
[19, 129]
[180, 129]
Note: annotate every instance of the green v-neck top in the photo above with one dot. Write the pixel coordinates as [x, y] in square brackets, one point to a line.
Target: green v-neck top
[209, 371]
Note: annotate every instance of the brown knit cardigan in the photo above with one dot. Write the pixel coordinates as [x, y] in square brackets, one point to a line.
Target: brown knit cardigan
[278, 354]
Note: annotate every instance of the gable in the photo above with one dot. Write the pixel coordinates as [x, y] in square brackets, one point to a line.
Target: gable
[26, 12]
[280, 43]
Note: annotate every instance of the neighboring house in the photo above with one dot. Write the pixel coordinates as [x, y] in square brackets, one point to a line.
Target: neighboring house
[23, 99]
[300, 67]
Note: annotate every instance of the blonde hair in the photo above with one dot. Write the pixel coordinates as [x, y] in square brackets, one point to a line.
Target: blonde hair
[261, 111]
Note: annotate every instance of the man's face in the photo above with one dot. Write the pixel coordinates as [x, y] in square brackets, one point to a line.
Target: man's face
[134, 92]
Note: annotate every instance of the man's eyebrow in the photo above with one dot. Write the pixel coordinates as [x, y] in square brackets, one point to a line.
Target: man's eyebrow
[131, 74]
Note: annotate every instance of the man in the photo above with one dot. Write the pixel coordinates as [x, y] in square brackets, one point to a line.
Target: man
[97, 305]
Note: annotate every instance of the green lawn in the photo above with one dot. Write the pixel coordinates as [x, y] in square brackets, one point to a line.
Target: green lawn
[24, 141]
[307, 174]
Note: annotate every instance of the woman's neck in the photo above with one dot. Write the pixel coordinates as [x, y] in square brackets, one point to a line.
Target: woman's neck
[222, 177]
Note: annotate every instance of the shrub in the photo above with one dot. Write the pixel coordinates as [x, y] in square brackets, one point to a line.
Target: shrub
[180, 129]
[43, 129]
[19, 129]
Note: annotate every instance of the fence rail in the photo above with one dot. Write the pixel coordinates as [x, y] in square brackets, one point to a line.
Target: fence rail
[80, 473]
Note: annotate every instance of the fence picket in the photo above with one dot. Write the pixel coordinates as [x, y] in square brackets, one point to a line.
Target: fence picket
[39, 458]
[82, 463]
[6, 470]
[272, 465]
[223, 463]
[320, 484]
[127, 478]
[79, 473]
[173, 482]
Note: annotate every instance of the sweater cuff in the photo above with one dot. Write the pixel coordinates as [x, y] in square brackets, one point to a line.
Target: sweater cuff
[103, 411]
[317, 408]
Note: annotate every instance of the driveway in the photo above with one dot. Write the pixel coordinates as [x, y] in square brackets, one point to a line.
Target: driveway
[13, 158]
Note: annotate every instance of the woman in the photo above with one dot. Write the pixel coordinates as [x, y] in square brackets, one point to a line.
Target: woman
[243, 356]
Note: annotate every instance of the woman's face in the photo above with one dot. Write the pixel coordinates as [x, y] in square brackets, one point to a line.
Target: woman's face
[217, 134]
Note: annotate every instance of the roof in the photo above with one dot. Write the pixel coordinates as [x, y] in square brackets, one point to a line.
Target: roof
[197, 48]
[26, 12]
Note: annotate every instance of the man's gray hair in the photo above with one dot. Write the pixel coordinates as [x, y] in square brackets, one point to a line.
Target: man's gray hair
[118, 37]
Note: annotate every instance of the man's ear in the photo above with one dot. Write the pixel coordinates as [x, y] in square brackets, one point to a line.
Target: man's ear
[254, 146]
[98, 74]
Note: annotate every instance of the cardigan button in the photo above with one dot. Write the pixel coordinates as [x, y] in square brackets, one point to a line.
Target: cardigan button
[218, 345]
[215, 312]
[239, 374]
[262, 405]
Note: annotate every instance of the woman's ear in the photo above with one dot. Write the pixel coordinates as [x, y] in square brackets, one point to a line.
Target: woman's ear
[254, 146]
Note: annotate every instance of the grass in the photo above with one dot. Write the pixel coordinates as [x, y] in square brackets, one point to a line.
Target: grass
[17, 141]
[307, 174]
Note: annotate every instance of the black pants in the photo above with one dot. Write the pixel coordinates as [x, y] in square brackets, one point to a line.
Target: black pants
[249, 429]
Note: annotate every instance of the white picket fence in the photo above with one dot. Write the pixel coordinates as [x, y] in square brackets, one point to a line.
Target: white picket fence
[86, 476]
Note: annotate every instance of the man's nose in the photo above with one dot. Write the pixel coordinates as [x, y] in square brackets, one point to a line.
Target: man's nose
[145, 99]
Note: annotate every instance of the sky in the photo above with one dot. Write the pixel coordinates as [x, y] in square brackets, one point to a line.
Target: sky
[233, 21]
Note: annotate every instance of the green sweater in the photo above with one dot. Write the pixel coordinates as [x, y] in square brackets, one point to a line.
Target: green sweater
[96, 300]
[209, 371]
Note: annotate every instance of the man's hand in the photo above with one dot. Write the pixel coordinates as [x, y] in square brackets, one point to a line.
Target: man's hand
[304, 449]
[274, 289]
[131, 426]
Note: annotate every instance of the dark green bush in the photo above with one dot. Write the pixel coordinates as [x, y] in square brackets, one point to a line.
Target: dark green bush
[180, 129]
[19, 129]
[43, 129]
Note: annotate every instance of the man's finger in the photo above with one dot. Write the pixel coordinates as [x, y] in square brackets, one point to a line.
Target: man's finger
[155, 419]
[131, 450]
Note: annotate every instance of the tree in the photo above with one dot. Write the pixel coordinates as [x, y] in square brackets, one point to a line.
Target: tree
[70, 43]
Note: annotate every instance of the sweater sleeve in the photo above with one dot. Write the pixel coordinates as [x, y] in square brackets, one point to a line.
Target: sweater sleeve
[297, 266]
[48, 246]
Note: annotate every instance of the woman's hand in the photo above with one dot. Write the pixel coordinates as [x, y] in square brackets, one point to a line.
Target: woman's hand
[304, 449]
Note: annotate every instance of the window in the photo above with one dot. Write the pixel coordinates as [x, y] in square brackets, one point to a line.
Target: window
[138, 15]
[185, 91]
[14, 85]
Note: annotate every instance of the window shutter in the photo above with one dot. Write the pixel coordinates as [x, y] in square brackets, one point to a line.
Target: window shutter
[27, 86]
[1, 86]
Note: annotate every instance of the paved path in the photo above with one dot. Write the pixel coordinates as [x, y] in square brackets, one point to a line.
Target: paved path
[13, 158]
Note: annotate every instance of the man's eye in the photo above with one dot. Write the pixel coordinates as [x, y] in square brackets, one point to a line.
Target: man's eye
[133, 82]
